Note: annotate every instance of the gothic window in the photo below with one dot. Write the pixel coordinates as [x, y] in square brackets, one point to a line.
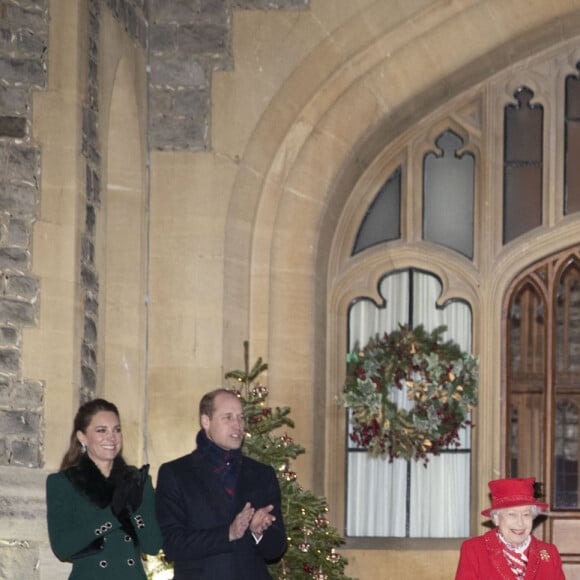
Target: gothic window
[523, 159]
[448, 195]
[526, 374]
[543, 385]
[402, 498]
[567, 387]
[476, 225]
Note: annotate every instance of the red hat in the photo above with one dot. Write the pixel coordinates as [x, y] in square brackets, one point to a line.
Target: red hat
[506, 493]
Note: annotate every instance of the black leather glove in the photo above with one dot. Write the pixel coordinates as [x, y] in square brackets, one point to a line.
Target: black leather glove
[127, 496]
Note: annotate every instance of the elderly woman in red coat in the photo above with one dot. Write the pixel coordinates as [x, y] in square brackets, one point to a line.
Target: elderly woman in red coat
[510, 551]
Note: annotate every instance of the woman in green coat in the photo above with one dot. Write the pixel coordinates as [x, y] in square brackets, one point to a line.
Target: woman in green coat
[101, 511]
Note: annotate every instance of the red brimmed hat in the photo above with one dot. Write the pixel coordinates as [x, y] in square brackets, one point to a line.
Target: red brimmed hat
[514, 492]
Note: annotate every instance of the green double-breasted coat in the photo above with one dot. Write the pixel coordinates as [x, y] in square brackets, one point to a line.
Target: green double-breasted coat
[74, 522]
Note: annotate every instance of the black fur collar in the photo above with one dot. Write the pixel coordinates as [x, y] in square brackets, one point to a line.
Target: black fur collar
[88, 480]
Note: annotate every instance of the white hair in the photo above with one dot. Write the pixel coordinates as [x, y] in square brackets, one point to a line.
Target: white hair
[494, 513]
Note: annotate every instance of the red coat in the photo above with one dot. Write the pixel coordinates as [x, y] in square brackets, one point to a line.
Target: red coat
[482, 558]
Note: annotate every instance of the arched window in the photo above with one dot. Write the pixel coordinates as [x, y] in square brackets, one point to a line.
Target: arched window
[448, 195]
[471, 217]
[543, 381]
[523, 164]
[403, 498]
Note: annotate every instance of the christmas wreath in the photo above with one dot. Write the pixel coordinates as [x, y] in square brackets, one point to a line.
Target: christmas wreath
[434, 382]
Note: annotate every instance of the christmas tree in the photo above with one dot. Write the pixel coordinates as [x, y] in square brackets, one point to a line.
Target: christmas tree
[312, 541]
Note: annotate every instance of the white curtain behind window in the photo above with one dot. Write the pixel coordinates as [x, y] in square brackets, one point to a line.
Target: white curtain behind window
[405, 499]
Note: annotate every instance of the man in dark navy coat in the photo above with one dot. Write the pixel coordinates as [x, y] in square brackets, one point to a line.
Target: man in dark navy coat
[218, 510]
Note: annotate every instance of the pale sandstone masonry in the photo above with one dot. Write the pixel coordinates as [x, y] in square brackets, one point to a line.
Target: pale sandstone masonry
[186, 40]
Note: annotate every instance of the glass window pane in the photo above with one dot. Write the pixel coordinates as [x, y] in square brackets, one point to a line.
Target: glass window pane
[566, 455]
[385, 514]
[573, 97]
[572, 186]
[525, 384]
[522, 201]
[390, 499]
[523, 158]
[572, 167]
[382, 221]
[456, 315]
[523, 129]
[448, 196]
[567, 389]
[440, 486]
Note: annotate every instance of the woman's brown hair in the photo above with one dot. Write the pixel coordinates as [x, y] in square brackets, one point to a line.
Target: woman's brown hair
[82, 420]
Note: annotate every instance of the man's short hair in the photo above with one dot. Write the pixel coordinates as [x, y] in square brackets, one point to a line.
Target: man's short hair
[207, 406]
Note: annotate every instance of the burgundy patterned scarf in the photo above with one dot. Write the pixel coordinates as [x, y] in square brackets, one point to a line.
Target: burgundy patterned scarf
[225, 463]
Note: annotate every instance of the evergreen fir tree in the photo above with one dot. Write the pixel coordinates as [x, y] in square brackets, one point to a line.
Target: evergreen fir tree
[312, 541]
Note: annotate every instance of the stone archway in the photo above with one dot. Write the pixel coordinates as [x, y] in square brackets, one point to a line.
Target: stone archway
[375, 76]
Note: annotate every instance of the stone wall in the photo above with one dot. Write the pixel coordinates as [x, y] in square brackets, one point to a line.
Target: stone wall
[23, 69]
[187, 42]
[92, 156]
[131, 14]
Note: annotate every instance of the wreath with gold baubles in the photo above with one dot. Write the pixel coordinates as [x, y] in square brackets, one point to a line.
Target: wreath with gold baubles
[434, 381]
